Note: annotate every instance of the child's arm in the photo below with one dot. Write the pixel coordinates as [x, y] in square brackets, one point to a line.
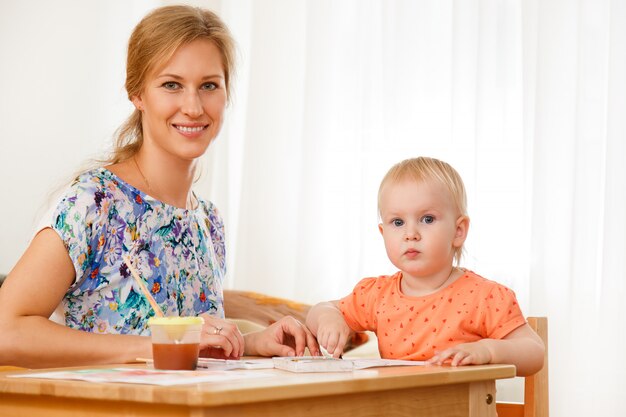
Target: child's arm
[328, 325]
[522, 348]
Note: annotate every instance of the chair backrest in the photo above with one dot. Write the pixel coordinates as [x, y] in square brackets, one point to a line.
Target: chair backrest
[535, 386]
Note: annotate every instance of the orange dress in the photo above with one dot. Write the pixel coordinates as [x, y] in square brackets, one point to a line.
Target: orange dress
[414, 328]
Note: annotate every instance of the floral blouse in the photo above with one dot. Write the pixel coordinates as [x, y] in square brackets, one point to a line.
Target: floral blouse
[179, 254]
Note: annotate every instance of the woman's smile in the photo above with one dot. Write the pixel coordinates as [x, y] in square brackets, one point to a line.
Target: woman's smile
[190, 130]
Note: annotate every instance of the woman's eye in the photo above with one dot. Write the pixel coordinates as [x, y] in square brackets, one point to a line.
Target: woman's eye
[209, 86]
[428, 219]
[171, 85]
[397, 222]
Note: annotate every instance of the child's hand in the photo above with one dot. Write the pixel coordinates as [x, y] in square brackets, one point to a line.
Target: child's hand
[475, 353]
[333, 335]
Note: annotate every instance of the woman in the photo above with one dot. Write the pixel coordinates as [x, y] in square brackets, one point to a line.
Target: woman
[140, 205]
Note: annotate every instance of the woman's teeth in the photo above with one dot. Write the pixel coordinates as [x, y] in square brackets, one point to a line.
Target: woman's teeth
[190, 129]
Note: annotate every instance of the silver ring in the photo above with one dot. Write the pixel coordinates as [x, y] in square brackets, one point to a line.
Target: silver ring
[217, 330]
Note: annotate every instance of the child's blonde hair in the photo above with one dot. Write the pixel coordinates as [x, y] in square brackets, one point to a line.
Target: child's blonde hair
[430, 169]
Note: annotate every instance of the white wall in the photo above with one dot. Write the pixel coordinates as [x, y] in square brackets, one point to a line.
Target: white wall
[63, 70]
[62, 99]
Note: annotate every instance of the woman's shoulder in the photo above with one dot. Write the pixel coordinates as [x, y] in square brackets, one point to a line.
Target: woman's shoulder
[208, 207]
[91, 181]
[96, 194]
[212, 216]
[93, 187]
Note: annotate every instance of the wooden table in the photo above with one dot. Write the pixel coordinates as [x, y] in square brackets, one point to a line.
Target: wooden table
[393, 391]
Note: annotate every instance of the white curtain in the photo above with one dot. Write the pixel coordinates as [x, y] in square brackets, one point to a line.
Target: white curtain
[575, 103]
[336, 92]
[526, 98]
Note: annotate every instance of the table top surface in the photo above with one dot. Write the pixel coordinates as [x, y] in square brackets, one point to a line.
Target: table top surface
[275, 385]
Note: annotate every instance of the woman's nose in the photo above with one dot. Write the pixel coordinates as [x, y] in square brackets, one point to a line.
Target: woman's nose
[192, 105]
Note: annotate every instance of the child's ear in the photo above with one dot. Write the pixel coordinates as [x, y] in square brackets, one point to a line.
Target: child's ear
[380, 228]
[462, 227]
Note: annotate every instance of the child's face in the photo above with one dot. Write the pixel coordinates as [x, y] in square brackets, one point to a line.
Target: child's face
[421, 227]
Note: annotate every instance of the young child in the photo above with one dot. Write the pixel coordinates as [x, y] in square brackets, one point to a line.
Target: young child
[430, 309]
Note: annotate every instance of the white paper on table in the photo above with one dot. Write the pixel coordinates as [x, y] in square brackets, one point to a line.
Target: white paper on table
[326, 364]
[146, 376]
[210, 363]
[225, 364]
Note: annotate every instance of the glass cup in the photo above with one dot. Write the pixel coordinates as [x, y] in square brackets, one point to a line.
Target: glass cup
[175, 342]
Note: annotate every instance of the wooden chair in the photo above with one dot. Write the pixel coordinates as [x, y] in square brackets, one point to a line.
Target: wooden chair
[535, 386]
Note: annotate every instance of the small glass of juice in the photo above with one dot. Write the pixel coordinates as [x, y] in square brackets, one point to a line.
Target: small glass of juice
[175, 342]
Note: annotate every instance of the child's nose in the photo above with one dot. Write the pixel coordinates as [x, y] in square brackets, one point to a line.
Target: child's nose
[411, 234]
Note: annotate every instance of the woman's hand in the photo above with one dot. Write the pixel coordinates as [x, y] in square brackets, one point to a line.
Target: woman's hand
[286, 337]
[220, 339]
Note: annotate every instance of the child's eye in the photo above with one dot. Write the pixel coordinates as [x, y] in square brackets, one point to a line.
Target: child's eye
[171, 85]
[428, 219]
[397, 222]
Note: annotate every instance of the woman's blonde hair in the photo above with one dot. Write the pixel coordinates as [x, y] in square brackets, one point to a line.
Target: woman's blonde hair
[153, 42]
[430, 169]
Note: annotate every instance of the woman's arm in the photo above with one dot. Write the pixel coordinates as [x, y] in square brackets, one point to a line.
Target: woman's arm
[29, 295]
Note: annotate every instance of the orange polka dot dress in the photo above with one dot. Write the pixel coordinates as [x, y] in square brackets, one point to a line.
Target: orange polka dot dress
[413, 328]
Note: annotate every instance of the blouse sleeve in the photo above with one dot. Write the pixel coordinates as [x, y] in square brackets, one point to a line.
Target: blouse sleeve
[216, 229]
[80, 220]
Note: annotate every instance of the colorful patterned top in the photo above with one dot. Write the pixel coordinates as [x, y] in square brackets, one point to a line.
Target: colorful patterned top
[414, 328]
[179, 253]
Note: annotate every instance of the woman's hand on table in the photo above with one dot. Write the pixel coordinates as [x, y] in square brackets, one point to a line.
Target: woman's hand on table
[286, 337]
[220, 339]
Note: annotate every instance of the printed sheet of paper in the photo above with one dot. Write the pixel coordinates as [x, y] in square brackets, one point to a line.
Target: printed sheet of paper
[209, 363]
[225, 364]
[146, 376]
[326, 364]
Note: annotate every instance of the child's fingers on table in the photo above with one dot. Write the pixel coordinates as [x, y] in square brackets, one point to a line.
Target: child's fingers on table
[461, 358]
[337, 352]
[472, 359]
[343, 341]
[336, 344]
[332, 341]
[324, 337]
[441, 356]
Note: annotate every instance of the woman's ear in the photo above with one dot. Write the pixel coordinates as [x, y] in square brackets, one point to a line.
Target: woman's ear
[137, 102]
[460, 234]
